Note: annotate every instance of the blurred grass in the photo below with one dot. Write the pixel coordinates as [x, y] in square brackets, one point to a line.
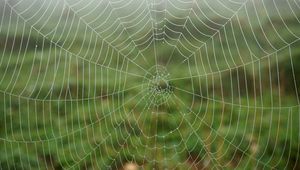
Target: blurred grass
[70, 104]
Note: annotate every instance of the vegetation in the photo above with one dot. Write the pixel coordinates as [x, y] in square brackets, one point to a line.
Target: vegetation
[77, 93]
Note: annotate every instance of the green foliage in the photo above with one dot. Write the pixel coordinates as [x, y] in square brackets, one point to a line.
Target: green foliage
[79, 117]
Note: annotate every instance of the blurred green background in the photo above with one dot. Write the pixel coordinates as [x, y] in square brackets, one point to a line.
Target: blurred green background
[76, 92]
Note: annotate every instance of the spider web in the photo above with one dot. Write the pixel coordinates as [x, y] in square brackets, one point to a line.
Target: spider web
[154, 84]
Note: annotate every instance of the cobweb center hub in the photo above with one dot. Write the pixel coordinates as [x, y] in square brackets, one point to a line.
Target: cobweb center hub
[158, 87]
